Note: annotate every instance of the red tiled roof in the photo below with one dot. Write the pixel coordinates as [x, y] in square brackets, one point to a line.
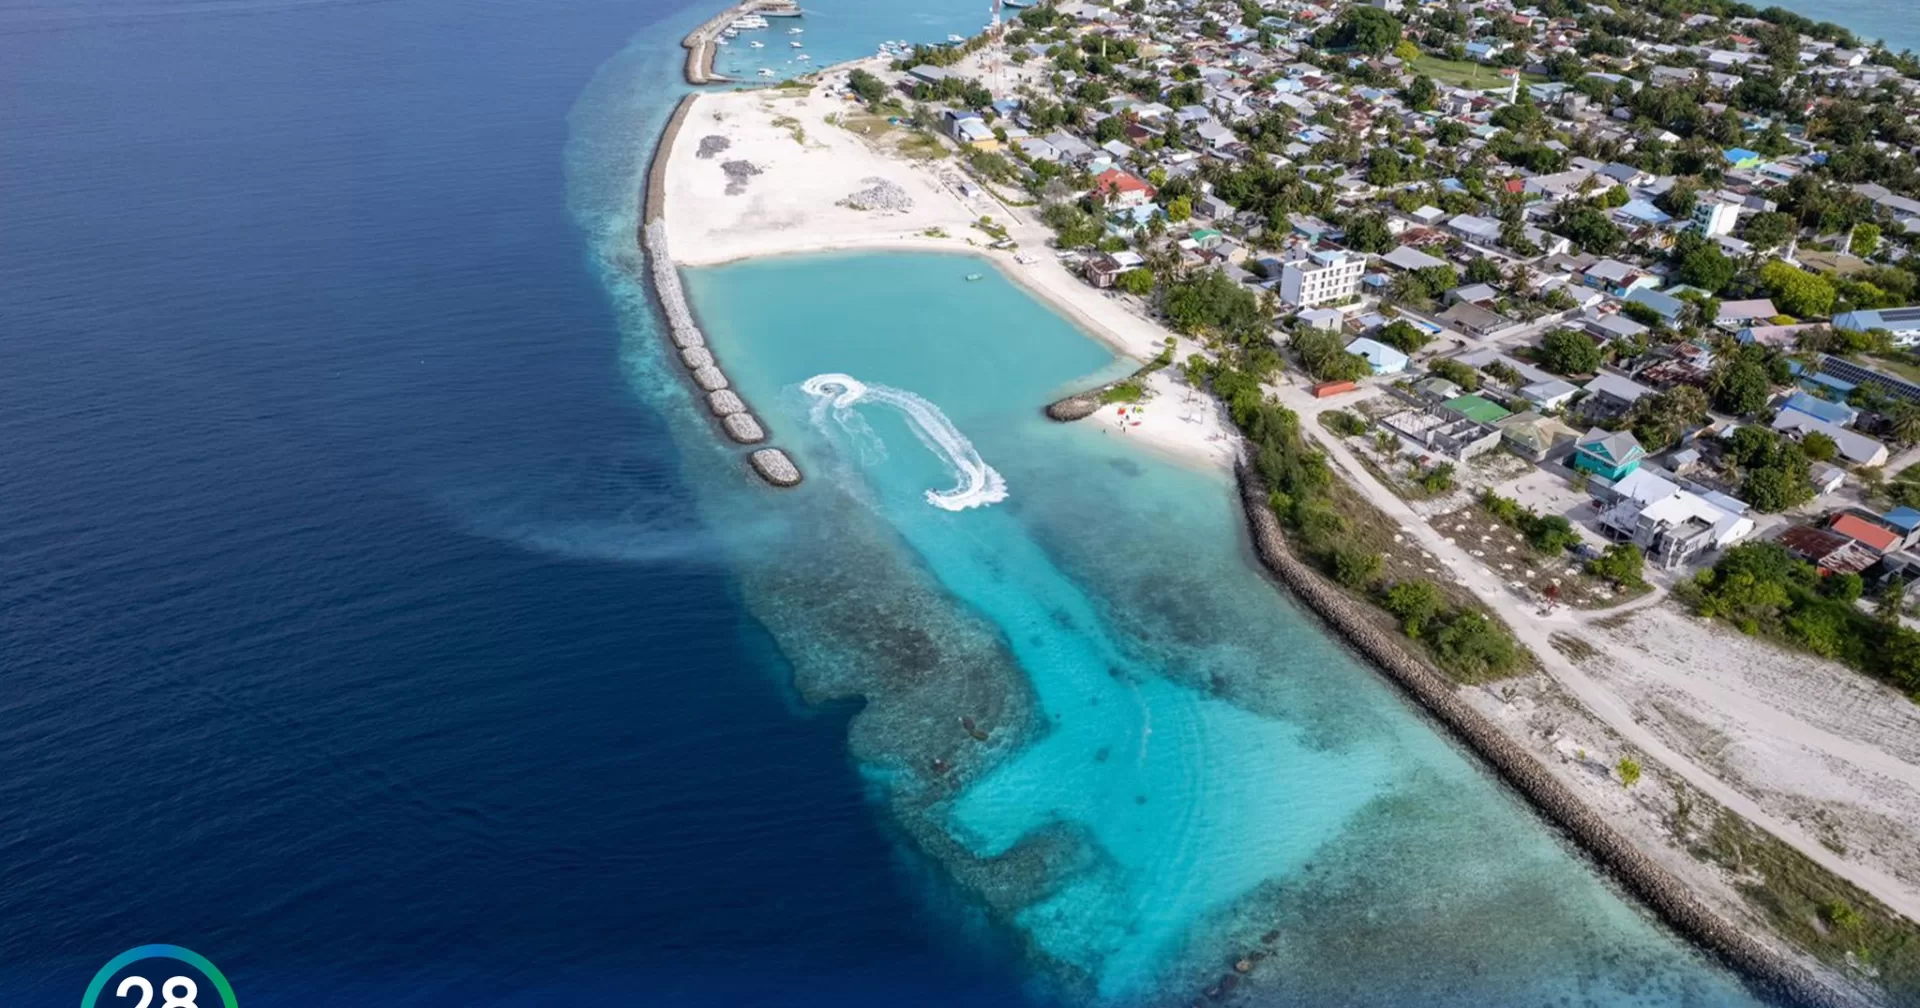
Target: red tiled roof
[1868, 534]
[1115, 180]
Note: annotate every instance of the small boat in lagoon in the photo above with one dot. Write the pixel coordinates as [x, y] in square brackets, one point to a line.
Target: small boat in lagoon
[971, 277]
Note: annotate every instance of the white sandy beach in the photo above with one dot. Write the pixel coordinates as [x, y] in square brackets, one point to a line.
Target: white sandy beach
[808, 163]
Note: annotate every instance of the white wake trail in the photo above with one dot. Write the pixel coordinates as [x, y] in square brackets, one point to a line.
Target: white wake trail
[978, 484]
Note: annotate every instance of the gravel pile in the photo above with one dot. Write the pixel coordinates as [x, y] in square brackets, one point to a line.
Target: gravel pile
[738, 173]
[711, 145]
[880, 195]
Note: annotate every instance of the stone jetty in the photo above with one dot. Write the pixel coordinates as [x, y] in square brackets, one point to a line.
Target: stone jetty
[1768, 972]
[735, 418]
[700, 46]
[775, 467]
[1082, 405]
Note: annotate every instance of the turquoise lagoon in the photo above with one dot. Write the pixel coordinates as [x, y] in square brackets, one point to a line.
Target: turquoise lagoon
[1208, 771]
[1179, 766]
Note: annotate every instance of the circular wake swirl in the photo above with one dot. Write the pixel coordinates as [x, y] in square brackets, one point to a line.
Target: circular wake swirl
[978, 484]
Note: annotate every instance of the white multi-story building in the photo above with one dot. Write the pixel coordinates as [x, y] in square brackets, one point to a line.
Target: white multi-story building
[1714, 217]
[1322, 278]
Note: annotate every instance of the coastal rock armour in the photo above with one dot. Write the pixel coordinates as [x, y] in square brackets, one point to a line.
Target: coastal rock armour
[1074, 407]
[775, 467]
[725, 402]
[695, 357]
[709, 378]
[1770, 974]
[742, 427]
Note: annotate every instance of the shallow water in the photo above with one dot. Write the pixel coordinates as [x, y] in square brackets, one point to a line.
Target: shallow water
[1204, 765]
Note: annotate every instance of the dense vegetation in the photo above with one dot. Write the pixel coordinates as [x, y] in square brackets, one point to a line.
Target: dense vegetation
[1305, 495]
[1768, 592]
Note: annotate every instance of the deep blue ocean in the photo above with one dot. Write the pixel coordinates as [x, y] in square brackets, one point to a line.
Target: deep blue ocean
[352, 629]
[364, 624]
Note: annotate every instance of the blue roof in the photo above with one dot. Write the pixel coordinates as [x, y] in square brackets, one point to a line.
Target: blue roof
[1891, 319]
[1905, 519]
[1667, 305]
[1644, 210]
[1736, 155]
[1820, 409]
[1843, 387]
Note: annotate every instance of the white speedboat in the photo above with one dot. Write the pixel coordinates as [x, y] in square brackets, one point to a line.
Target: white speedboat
[956, 38]
[764, 72]
[796, 45]
[803, 57]
[757, 44]
[796, 31]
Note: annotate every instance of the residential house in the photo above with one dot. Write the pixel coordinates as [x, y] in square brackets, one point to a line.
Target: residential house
[1381, 357]
[1671, 526]
[1616, 278]
[1123, 190]
[1549, 395]
[1534, 437]
[1105, 268]
[1829, 552]
[1740, 314]
[1323, 277]
[1607, 454]
[1878, 538]
[1855, 447]
[1668, 307]
[1712, 218]
[1902, 323]
[1821, 409]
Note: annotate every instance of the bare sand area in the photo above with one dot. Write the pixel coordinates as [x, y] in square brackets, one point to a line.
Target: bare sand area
[783, 171]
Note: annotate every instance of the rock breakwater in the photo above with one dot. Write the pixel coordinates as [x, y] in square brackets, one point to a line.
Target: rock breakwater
[1768, 972]
[731, 412]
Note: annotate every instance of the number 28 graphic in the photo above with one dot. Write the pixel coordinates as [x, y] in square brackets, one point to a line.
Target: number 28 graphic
[175, 991]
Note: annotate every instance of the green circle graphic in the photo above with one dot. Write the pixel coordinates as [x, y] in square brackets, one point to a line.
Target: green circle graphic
[174, 952]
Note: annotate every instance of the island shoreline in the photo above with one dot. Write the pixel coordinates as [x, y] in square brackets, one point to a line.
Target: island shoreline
[1772, 975]
[1770, 972]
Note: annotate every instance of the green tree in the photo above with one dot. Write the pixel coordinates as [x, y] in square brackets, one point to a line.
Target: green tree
[1138, 282]
[1768, 230]
[1622, 563]
[1773, 490]
[1180, 208]
[1415, 603]
[1866, 240]
[1357, 569]
[1213, 302]
[1420, 94]
[1459, 373]
[1368, 233]
[1818, 447]
[1404, 336]
[1660, 419]
[1798, 292]
[1567, 352]
[1629, 771]
[871, 89]
[1708, 268]
[1741, 388]
[1473, 647]
[1323, 356]
[1484, 270]
[1368, 29]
